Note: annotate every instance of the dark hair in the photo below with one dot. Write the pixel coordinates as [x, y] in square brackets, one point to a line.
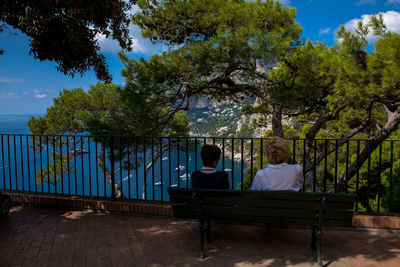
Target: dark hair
[209, 154]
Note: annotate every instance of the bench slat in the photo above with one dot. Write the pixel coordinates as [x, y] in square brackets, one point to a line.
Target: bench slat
[272, 203]
[293, 212]
[223, 211]
[249, 211]
[265, 194]
[261, 195]
[181, 199]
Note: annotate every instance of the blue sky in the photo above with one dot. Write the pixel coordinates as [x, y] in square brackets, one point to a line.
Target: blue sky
[28, 86]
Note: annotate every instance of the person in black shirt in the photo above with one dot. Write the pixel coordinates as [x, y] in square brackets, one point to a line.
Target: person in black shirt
[208, 177]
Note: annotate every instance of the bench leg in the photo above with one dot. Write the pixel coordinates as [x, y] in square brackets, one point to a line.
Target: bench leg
[319, 253]
[208, 231]
[313, 243]
[201, 228]
[319, 230]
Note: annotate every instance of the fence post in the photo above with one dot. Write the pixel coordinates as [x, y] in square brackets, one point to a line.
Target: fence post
[112, 168]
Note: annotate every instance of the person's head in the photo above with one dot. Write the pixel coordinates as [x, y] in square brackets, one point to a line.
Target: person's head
[277, 150]
[210, 155]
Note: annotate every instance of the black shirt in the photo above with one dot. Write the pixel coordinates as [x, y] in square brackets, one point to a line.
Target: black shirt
[216, 180]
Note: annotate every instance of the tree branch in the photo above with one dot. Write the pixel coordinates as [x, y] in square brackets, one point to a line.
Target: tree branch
[390, 126]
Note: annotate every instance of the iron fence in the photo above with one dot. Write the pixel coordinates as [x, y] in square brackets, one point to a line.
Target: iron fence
[144, 167]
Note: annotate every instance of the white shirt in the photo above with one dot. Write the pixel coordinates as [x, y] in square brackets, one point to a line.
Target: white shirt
[279, 177]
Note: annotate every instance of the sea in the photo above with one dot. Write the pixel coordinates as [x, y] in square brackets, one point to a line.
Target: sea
[24, 169]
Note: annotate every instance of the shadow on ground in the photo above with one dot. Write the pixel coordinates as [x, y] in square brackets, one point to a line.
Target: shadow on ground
[53, 237]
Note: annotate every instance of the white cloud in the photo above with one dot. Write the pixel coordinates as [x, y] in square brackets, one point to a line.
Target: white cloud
[40, 90]
[40, 96]
[8, 95]
[108, 45]
[140, 44]
[10, 80]
[26, 93]
[324, 31]
[390, 18]
[392, 2]
[363, 2]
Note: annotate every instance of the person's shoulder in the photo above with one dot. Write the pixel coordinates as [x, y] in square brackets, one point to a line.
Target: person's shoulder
[261, 172]
[297, 167]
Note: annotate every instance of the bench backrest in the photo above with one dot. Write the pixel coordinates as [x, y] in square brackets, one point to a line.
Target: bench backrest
[274, 207]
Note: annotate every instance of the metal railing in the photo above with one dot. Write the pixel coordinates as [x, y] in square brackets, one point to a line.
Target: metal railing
[144, 167]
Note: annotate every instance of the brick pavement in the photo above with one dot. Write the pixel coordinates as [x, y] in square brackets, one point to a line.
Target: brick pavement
[55, 237]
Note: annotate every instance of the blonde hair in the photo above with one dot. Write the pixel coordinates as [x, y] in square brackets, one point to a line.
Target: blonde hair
[278, 150]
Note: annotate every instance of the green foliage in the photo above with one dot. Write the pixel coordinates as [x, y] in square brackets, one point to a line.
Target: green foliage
[385, 66]
[66, 31]
[303, 79]
[224, 47]
[218, 21]
[64, 116]
[393, 182]
[58, 164]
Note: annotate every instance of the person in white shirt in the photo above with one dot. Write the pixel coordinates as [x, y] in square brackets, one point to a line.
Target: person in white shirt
[279, 175]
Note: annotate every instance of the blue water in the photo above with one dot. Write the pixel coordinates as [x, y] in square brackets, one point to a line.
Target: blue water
[15, 124]
[18, 167]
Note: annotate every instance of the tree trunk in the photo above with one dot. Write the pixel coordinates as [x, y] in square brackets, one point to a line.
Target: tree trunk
[310, 136]
[105, 170]
[390, 126]
[277, 120]
[144, 186]
[344, 138]
[148, 167]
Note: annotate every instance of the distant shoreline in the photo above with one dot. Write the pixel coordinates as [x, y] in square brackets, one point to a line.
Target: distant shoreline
[18, 117]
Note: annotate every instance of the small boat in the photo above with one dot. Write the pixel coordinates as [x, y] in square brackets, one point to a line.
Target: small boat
[165, 158]
[181, 168]
[80, 151]
[174, 185]
[227, 170]
[158, 183]
[184, 177]
[126, 178]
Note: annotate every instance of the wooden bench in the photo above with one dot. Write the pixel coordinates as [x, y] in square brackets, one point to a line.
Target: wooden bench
[264, 207]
